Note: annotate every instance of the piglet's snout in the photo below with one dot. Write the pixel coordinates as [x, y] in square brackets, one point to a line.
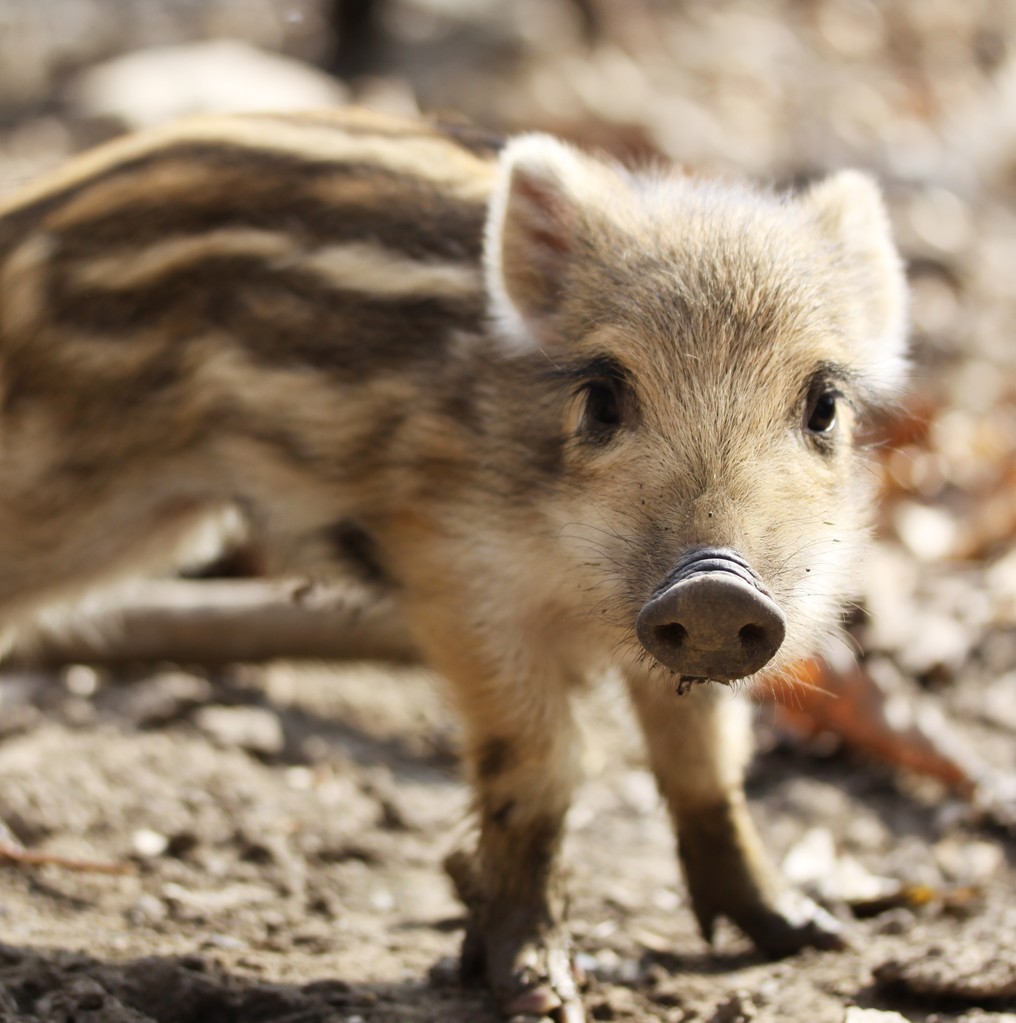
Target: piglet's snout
[712, 618]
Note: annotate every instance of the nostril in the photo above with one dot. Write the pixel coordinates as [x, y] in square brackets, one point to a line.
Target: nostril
[671, 635]
[753, 637]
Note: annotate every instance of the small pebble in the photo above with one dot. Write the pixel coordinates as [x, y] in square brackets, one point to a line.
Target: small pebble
[149, 844]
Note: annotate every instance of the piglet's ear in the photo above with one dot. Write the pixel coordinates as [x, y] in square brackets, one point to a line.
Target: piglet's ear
[538, 216]
[851, 214]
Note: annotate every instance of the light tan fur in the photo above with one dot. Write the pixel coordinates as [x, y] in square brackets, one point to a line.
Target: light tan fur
[516, 386]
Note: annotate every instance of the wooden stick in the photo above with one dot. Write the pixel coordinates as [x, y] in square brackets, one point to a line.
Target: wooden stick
[215, 622]
[31, 858]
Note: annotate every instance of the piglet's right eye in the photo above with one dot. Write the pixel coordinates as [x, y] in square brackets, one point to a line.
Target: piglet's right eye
[605, 402]
[603, 406]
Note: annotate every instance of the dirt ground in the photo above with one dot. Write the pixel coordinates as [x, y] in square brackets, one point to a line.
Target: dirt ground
[279, 830]
[285, 828]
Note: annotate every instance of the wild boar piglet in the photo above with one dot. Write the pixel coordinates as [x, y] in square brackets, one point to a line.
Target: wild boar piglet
[570, 415]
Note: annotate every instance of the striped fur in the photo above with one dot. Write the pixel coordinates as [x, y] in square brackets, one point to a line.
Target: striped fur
[524, 380]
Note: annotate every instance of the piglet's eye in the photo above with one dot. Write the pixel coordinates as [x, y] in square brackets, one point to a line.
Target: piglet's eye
[822, 412]
[605, 409]
[603, 405]
[605, 401]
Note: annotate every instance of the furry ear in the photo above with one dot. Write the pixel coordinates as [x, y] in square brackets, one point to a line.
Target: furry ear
[537, 217]
[849, 209]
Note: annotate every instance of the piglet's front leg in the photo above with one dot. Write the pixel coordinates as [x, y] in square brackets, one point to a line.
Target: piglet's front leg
[698, 745]
[521, 755]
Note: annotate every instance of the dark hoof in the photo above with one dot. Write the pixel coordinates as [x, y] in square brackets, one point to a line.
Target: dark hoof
[523, 956]
[795, 923]
[792, 922]
[532, 981]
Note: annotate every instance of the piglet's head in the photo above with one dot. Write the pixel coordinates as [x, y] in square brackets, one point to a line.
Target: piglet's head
[713, 349]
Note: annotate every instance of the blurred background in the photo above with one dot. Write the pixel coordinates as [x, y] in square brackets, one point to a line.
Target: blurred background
[921, 93]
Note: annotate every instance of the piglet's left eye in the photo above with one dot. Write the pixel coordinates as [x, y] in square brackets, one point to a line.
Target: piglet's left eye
[822, 412]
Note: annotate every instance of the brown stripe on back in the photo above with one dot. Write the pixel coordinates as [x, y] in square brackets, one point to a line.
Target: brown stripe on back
[281, 317]
[171, 172]
[146, 173]
[313, 202]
